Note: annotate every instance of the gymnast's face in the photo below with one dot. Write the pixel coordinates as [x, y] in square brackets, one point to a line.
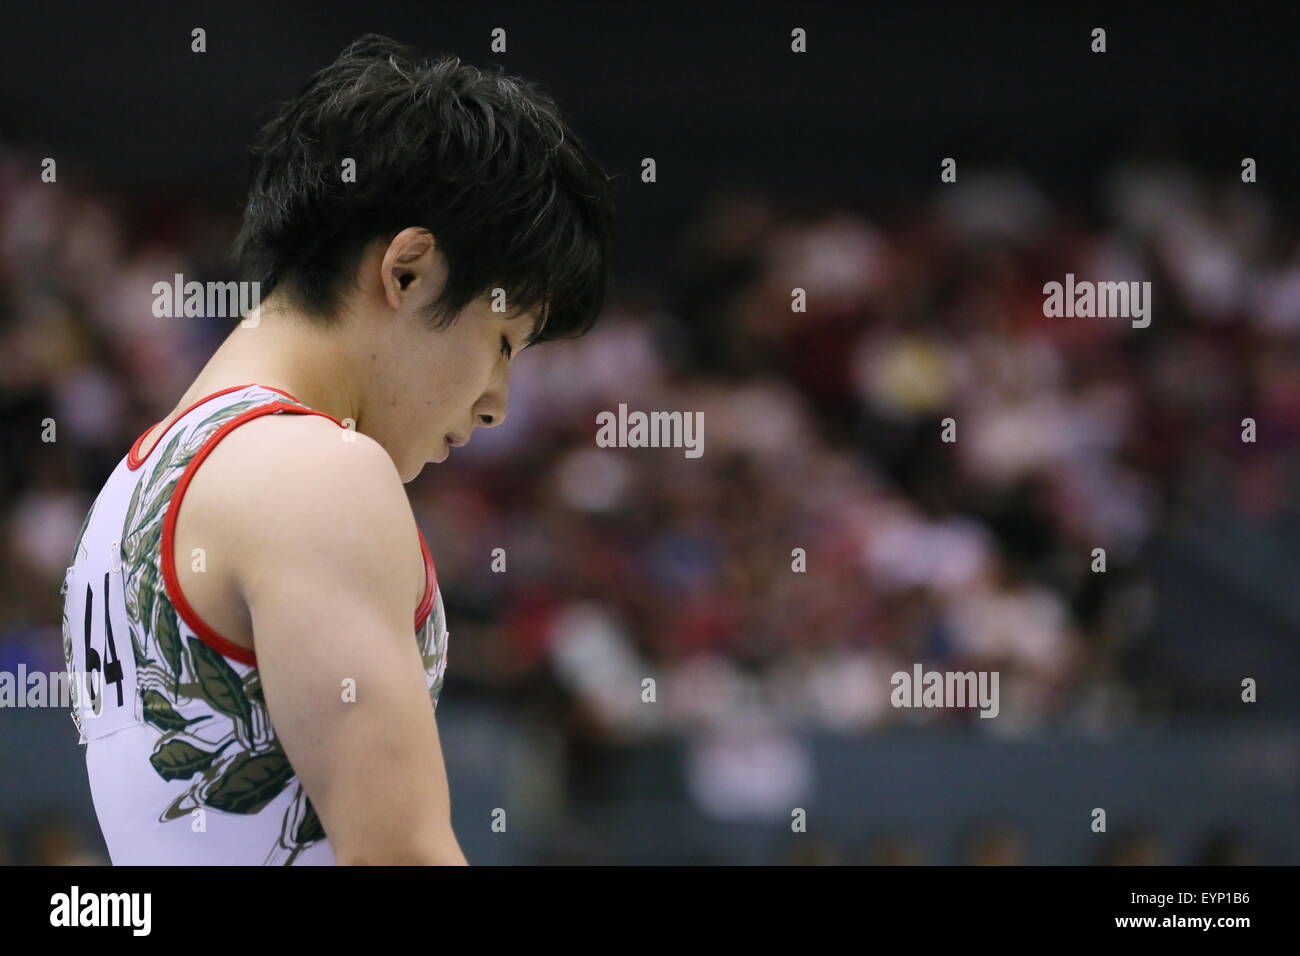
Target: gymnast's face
[428, 390]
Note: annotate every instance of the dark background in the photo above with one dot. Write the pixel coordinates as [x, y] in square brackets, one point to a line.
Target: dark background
[704, 88]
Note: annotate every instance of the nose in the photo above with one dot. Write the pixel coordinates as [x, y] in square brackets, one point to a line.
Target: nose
[490, 410]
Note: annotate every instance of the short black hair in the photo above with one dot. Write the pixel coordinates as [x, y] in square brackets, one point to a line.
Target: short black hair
[482, 160]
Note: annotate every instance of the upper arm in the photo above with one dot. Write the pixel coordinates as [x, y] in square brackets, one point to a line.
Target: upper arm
[328, 568]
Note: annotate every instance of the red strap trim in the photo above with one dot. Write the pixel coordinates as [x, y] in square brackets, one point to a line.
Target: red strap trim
[171, 581]
[425, 607]
[133, 457]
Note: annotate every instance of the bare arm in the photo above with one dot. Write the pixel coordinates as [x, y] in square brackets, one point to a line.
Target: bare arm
[330, 571]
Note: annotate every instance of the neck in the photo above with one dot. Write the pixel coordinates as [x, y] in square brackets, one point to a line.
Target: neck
[288, 350]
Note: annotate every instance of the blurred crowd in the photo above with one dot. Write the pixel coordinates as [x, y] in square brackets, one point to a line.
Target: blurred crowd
[829, 536]
[824, 432]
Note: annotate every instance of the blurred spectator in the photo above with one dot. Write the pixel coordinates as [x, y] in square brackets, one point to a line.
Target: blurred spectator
[1134, 846]
[993, 844]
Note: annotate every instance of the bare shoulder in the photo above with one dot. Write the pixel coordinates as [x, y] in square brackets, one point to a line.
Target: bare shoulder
[298, 488]
[313, 453]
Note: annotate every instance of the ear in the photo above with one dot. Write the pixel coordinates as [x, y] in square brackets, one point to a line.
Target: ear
[412, 266]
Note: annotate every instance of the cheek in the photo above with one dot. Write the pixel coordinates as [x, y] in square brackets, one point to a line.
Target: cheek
[446, 393]
[452, 391]
[452, 377]
[465, 376]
